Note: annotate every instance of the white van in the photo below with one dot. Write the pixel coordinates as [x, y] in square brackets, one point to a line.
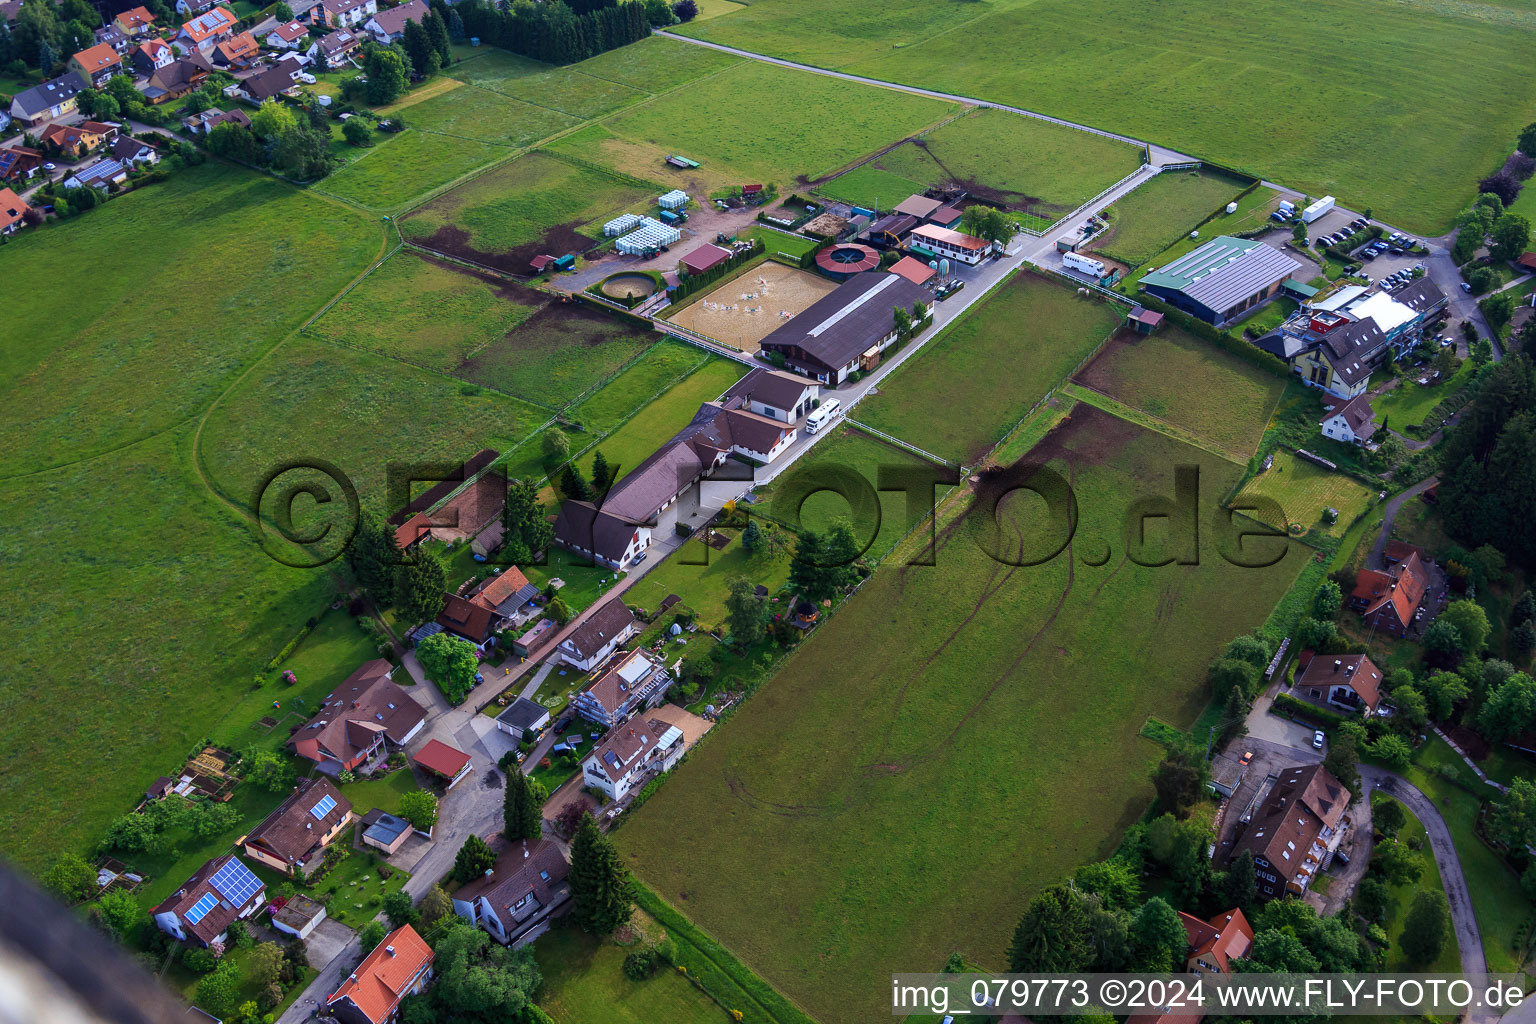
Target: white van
[824, 414]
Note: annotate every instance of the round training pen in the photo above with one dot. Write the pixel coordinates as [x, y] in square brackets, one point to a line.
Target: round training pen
[847, 258]
[628, 287]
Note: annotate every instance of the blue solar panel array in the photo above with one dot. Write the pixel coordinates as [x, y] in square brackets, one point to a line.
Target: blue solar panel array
[324, 807]
[201, 907]
[235, 882]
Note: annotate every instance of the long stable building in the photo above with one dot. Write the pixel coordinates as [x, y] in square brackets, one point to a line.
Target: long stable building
[847, 329]
[1222, 279]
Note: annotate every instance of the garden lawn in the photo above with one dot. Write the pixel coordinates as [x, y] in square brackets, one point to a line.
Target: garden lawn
[701, 576]
[1161, 211]
[358, 411]
[1205, 80]
[424, 312]
[1407, 404]
[525, 207]
[1414, 836]
[633, 442]
[769, 123]
[880, 523]
[968, 703]
[1021, 163]
[1303, 489]
[585, 582]
[969, 386]
[584, 981]
[1222, 398]
[469, 112]
[400, 171]
[141, 348]
[562, 91]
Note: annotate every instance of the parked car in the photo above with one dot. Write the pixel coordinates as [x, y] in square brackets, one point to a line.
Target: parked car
[1317, 740]
[1246, 758]
[1466, 288]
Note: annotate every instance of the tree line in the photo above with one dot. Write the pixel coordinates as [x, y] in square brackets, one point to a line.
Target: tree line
[556, 33]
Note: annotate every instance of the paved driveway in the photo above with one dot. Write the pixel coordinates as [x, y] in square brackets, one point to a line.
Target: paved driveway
[335, 949]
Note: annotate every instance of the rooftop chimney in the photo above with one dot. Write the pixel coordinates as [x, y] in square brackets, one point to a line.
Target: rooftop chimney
[390, 950]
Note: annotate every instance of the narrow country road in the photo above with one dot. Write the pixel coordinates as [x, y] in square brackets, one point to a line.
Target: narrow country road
[1389, 514]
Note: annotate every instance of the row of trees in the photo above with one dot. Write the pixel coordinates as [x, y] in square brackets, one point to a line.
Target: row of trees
[1488, 475]
[295, 141]
[557, 33]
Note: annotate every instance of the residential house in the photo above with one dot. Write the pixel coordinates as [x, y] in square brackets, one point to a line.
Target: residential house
[629, 684]
[601, 633]
[293, 838]
[236, 51]
[631, 755]
[1339, 682]
[111, 35]
[359, 722]
[1222, 279]
[515, 900]
[178, 78]
[135, 22]
[217, 895]
[281, 79]
[207, 30]
[1295, 830]
[413, 531]
[102, 174]
[334, 48]
[97, 64]
[208, 120]
[289, 36]
[930, 241]
[847, 329]
[521, 718]
[1353, 422]
[1392, 600]
[54, 98]
[474, 622]
[12, 209]
[5, 121]
[772, 393]
[1214, 944]
[18, 163]
[509, 595]
[9, 10]
[389, 26]
[78, 140]
[150, 56]
[342, 13]
[1328, 350]
[189, 8]
[399, 966]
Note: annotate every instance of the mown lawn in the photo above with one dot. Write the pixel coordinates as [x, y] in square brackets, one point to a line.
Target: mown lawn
[656, 65]
[1409, 402]
[432, 314]
[1177, 377]
[1160, 211]
[1303, 489]
[1029, 331]
[398, 172]
[871, 186]
[148, 342]
[1008, 728]
[584, 981]
[702, 578]
[665, 364]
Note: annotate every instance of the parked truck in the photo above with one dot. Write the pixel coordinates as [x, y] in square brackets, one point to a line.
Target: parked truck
[1083, 264]
[1321, 208]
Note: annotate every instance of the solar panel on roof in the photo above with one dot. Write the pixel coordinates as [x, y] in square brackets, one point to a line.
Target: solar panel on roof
[235, 882]
[324, 807]
[201, 907]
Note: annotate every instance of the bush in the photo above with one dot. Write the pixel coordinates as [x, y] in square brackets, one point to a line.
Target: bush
[641, 964]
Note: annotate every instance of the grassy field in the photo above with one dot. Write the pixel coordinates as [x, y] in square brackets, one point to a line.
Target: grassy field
[1019, 162]
[1206, 80]
[1177, 377]
[394, 174]
[871, 186]
[564, 90]
[357, 410]
[1009, 728]
[848, 448]
[533, 204]
[425, 312]
[1162, 210]
[768, 123]
[141, 348]
[665, 364]
[1409, 402]
[1414, 836]
[584, 982]
[1253, 211]
[630, 444]
[483, 115]
[1032, 330]
[655, 65]
[1303, 489]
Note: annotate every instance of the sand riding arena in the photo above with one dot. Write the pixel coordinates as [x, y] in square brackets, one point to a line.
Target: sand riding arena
[746, 309]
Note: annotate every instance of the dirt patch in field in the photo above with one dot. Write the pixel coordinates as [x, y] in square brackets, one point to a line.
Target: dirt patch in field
[451, 240]
[509, 290]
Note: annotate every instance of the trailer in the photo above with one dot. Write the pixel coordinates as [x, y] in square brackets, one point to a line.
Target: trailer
[681, 162]
[1321, 208]
[1083, 264]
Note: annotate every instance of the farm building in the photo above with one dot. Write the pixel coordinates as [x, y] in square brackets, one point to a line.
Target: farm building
[705, 258]
[846, 329]
[681, 162]
[779, 396]
[842, 261]
[622, 223]
[674, 200]
[914, 270]
[920, 207]
[890, 230]
[647, 237]
[932, 242]
[1222, 279]
[1143, 320]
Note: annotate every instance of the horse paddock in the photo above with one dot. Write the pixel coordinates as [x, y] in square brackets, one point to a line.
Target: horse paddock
[747, 308]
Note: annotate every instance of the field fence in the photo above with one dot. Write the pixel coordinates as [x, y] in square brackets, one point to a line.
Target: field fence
[898, 442]
[703, 341]
[1188, 165]
[1147, 169]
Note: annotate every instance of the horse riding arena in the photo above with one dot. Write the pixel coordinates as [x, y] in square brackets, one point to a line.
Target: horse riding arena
[746, 309]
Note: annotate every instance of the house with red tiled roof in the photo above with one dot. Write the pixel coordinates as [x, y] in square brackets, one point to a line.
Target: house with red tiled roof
[1391, 600]
[12, 209]
[359, 722]
[96, 64]
[208, 30]
[78, 140]
[236, 51]
[150, 56]
[399, 966]
[471, 510]
[1339, 682]
[1214, 944]
[136, 21]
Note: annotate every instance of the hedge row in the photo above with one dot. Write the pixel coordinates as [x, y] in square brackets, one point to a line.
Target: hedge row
[716, 971]
[1298, 707]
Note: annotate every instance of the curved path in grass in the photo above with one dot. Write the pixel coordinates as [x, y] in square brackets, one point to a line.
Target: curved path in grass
[1389, 514]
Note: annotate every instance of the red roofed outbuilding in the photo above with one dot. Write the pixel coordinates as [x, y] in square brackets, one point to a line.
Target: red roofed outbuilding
[439, 758]
[705, 258]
